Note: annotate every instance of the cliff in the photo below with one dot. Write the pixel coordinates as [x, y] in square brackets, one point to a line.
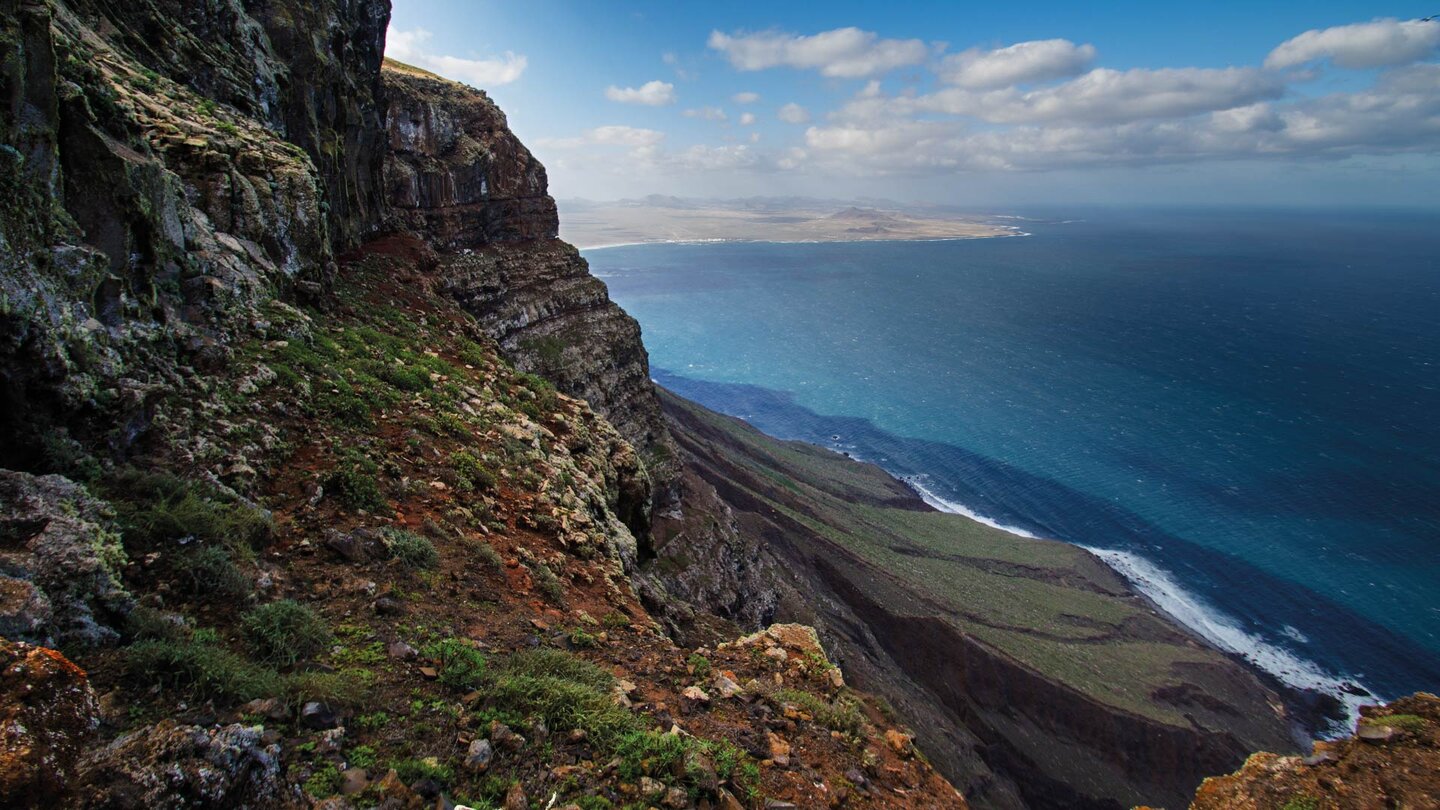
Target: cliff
[346, 484]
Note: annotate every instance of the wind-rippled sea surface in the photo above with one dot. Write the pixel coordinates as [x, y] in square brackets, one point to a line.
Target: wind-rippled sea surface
[1239, 411]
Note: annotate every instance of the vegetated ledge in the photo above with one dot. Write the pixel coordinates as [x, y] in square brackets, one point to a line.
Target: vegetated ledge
[1042, 678]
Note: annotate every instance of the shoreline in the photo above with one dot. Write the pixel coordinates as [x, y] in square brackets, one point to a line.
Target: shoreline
[741, 240]
[1325, 708]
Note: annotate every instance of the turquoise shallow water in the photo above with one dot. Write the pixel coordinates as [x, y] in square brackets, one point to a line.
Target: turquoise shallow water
[1241, 410]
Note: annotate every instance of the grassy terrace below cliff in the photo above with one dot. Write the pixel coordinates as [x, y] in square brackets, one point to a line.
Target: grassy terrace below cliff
[1035, 646]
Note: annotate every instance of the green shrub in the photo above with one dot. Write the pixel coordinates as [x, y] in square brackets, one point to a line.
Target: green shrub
[362, 756]
[471, 471]
[209, 571]
[548, 583]
[580, 637]
[144, 623]
[204, 670]
[461, 665]
[489, 555]
[285, 632]
[413, 551]
[1302, 803]
[354, 482]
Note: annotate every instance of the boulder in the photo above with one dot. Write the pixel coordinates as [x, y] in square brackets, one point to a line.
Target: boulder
[48, 712]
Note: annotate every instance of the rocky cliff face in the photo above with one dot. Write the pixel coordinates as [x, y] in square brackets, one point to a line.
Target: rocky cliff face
[168, 168]
[458, 176]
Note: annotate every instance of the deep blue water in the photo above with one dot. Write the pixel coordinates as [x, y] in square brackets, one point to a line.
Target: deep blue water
[1241, 410]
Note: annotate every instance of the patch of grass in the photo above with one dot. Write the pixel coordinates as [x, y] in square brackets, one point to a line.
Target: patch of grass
[157, 507]
[1302, 803]
[583, 639]
[564, 691]
[414, 769]
[615, 620]
[472, 472]
[413, 551]
[324, 782]
[664, 756]
[354, 482]
[347, 688]
[461, 665]
[204, 670]
[362, 756]
[699, 664]
[843, 715]
[548, 583]
[1409, 722]
[285, 632]
[371, 654]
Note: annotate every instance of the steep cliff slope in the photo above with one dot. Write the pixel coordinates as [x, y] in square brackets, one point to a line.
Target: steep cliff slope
[1040, 678]
[310, 533]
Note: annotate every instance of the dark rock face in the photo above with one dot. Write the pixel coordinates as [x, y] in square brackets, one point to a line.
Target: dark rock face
[460, 179]
[455, 172]
[168, 168]
[60, 560]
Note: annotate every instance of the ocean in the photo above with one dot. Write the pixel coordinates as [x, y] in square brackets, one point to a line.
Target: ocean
[1238, 410]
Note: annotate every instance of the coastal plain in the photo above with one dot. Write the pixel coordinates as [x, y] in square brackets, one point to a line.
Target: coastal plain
[590, 225]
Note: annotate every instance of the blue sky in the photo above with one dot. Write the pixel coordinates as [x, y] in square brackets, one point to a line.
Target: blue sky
[997, 104]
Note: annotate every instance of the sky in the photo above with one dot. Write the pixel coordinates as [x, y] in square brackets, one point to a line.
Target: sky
[996, 104]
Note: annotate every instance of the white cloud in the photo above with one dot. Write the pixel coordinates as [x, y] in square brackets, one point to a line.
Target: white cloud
[1400, 113]
[746, 119]
[843, 52]
[793, 113]
[1381, 43]
[612, 135]
[653, 94]
[706, 114]
[409, 47]
[754, 137]
[1037, 60]
[1100, 96]
[745, 98]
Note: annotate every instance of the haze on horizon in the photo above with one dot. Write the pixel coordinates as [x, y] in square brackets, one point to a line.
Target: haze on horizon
[1332, 103]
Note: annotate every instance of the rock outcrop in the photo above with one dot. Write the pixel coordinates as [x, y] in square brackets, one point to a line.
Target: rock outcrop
[60, 562]
[1393, 760]
[169, 765]
[48, 715]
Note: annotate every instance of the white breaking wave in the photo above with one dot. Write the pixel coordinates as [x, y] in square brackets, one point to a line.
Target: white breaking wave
[926, 495]
[1222, 631]
[1191, 611]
